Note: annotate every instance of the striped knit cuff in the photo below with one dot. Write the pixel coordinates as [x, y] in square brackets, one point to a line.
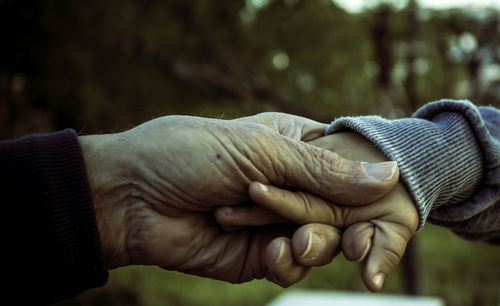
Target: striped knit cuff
[439, 159]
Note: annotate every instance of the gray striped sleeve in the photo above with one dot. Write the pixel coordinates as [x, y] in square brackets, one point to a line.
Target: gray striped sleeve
[440, 153]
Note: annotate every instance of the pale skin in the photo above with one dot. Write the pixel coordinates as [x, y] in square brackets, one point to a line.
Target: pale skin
[376, 234]
[155, 189]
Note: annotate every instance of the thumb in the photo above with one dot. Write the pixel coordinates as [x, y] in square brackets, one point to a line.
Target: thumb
[329, 175]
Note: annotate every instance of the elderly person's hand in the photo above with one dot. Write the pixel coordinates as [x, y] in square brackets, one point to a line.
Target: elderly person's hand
[376, 233]
[155, 188]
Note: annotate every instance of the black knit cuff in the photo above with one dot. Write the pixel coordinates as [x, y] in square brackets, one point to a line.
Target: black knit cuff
[56, 248]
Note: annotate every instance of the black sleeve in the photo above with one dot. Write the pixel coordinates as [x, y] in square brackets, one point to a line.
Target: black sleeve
[52, 249]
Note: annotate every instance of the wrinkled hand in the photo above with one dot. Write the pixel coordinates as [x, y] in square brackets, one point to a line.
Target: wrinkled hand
[376, 233]
[155, 188]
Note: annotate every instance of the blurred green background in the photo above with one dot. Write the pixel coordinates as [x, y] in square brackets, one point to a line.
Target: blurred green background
[457, 271]
[104, 66]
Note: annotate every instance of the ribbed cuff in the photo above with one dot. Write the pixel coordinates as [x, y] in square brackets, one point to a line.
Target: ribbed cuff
[439, 159]
[56, 246]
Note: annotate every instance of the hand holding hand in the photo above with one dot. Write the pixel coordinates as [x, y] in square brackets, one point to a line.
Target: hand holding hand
[155, 188]
[376, 233]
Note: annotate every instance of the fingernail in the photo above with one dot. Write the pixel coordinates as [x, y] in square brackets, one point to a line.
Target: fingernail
[381, 171]
[365, 252]
[314, 246]
[263, 187]
[281, 254]
[378, 280]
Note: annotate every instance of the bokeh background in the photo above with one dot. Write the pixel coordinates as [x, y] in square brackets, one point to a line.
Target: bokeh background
[104, 66]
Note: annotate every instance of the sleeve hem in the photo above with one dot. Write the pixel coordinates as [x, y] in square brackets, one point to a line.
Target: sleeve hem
[46, 180]
[440, 161]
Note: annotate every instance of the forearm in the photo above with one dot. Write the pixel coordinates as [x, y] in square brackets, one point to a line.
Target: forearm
[448, 161]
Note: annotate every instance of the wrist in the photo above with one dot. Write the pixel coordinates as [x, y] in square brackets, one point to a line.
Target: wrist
[110, 193]
[357, 147]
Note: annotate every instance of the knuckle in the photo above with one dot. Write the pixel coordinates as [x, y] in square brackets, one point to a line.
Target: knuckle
[343, 214]
[392, 257]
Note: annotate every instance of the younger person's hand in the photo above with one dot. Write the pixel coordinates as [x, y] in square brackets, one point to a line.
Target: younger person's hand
[376, 233]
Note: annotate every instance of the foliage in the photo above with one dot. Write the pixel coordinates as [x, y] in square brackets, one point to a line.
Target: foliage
[106, 65]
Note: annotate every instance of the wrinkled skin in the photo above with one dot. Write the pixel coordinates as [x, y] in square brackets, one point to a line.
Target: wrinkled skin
[376, 233]
[155, 188]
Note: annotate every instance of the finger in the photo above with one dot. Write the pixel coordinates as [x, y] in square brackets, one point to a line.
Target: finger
[262, 253]
[393, 221]
[389, 235]
[316, 244]
[357, 241]
[389, 244]
[302, 208]
[298, 207]
[236, 217]
[282, 268]
[295, 127]
[329, 175]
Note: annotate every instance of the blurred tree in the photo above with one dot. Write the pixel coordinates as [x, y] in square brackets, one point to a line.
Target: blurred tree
[412, 40]
[106, 65]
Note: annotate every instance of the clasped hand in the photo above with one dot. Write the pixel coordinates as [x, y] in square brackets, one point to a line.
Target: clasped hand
[158, 187]
[376, 233]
